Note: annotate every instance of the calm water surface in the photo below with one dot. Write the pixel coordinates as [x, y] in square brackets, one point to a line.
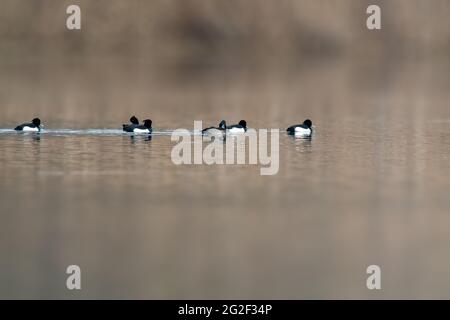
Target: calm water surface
[370, 187]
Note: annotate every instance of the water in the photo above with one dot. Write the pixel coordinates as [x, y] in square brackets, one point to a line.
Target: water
[370, 187]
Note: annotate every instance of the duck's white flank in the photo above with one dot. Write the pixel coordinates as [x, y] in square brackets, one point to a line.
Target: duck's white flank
[137, 130]
[236, 130]
[302, 131]
[29, 129]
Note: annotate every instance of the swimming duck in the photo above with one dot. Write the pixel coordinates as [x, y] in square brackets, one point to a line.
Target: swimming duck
[222, 127]
[34, 126]
[304, 129]
[238, 128]
[130, 127]
[145, 128]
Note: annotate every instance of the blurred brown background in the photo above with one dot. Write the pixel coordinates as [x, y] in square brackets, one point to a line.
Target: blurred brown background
[370, 187]
[203, 32]
[130, 56]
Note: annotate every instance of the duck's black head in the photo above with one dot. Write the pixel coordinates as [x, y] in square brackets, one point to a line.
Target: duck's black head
[36, 122]
[148, 123]
[134, 120]
[223, 124]
[308, 123]
[243, 123]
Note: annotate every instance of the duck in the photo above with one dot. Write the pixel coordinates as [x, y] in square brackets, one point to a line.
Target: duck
[34, 126]
[145, 128]
[238, 128]
[304, 129]
[212, 130]
[130, 127]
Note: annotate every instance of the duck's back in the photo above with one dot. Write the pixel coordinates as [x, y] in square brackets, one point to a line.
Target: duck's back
[28, 127]
[128, 127]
